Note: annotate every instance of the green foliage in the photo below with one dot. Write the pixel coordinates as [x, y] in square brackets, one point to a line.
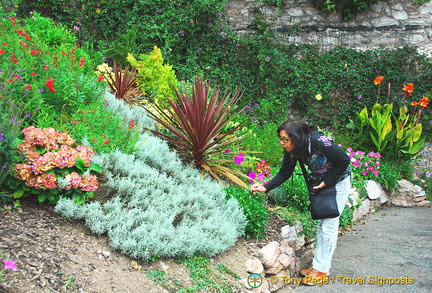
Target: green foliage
[42, 68]
[292, 215]
[347, 8]
[426, 183]
[204, 278]
[254, 208]
[195, 121]
[346, 218]
[155, 79]
[293, 193]
[389, 175]
[11, 119]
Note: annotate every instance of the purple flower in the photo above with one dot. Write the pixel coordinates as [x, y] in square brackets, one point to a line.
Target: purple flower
[359, 97]
[4, 167]
[227, 151]
[268, 58]
[261, 176]
[428, 174]
[76, 28]
[28, 115]
[9, 264]
[239, 159]
[41, 90]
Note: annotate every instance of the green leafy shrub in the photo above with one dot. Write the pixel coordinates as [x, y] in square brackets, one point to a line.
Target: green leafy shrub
[156, 79]
[254, 208]
[43, 69]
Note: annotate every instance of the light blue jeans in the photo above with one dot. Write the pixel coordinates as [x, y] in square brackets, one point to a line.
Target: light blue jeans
[328, 230]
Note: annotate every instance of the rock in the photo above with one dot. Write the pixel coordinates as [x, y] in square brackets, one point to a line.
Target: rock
[269, 253]
[406, 195]
[254, 265]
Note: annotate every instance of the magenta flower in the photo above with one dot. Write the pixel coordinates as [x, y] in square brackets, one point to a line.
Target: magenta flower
[239, 159]
[261, 177]
[252, 175]
[9, 264]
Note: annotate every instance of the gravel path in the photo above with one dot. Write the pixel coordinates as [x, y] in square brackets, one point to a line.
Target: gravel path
[392, 245]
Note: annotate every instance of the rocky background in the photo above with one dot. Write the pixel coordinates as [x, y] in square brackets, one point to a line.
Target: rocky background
[391, 23]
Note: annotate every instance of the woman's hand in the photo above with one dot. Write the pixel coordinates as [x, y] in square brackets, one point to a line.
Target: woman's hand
[319, 186]
[257, 187]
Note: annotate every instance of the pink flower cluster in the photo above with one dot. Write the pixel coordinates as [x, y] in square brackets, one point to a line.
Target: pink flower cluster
[367, 163]
[262, 171]
[47, 149]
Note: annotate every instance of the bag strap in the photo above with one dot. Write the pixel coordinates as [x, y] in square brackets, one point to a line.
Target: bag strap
[303, 171]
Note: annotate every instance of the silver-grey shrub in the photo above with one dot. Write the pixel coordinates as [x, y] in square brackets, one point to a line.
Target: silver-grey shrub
[160, 206]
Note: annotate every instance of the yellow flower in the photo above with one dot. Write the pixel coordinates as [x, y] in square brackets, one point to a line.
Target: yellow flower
[98, 10]
[318, 97]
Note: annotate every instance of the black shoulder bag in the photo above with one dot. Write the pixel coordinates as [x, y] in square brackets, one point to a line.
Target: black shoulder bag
[323, 203]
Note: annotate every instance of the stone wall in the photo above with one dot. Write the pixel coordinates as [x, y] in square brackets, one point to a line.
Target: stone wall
[390, 23]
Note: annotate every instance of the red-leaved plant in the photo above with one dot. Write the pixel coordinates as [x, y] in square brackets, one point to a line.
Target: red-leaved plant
[121, 79]
[195, 126]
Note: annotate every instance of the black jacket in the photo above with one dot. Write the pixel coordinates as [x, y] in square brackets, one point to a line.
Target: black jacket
[324, 157]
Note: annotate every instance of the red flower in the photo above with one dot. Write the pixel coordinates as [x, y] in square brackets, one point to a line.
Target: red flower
[33, 52]
[378, 80]
[82, 61]
[1, 52]
[33, 73]
[423, 102]
[46, 67]
[27, 87]
[50, 85]
[131, 124]
[408, 89]
[100, 77]
[106, 140]
[55, 64]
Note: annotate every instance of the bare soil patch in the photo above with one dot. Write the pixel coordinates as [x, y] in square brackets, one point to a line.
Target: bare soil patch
[54, 254]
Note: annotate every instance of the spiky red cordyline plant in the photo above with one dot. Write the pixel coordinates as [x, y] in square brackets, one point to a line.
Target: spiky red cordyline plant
[122, 80]
[195, 124]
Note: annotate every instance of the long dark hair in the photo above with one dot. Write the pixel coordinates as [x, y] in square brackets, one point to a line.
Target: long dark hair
[298, 131]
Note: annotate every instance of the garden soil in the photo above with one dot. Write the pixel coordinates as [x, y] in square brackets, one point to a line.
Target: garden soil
[54, 254]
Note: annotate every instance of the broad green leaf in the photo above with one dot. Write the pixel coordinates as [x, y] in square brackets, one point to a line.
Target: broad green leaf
[18, 193]
[42, 197]
[80, 164]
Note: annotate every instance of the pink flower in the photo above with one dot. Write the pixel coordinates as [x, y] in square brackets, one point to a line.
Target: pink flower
[239, 159]
[9, 264]
[252, 175]
[74, 122]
